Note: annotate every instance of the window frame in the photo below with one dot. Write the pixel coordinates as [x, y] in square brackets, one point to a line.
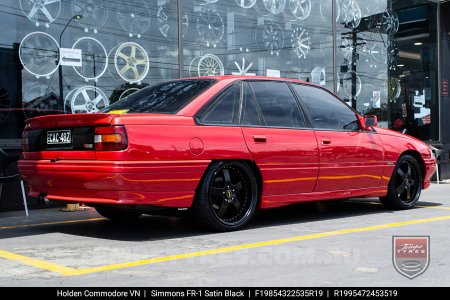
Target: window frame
[260, 114]
[309, 113]
[206, 108]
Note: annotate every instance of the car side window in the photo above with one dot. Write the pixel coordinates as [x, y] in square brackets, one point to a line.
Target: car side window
[250, 115]
[278, 105]
[225, 109]
[327, 111]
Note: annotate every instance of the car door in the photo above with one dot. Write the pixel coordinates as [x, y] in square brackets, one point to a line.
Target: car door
[278, 138]
[349, 158]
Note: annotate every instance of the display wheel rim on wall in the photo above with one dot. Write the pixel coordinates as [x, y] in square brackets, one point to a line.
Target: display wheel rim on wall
[131, 62]
[246, 3]
[394, 89]
[103, 70]
[390, 22]
[89, 10]
[348, 87]
[319, 72]
[210, 65]
[273, 38]
[163, 20]
[137, 22]
[297, 9]
[88, 104]
[193, 66]
[353, 14]
[270, 7]
[338, 10]
[41, 7]
[128, 92]
[210, 31]
[68, 101]
[301, 42]
[54, 66]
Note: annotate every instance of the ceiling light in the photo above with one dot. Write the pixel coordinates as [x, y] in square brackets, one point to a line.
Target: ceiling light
[400, 65]
[418, 44]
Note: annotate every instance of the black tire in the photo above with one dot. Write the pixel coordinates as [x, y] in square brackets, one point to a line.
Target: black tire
[405, 184]
[227, 196]
[117, 214]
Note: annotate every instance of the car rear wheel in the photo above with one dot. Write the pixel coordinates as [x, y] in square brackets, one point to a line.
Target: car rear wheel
[227, 197]
[405, 185]
[117, 214]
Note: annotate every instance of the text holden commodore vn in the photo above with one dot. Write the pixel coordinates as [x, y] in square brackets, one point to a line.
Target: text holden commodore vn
[223, 147]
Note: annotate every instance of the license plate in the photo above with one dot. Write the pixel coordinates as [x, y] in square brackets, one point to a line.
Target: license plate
[59, 137]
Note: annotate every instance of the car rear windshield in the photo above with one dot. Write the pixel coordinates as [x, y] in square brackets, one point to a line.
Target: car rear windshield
[165, 98]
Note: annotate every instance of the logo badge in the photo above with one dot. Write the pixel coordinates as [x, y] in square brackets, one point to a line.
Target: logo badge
[411, 254]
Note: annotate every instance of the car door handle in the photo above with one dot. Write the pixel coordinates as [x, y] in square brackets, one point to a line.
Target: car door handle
[326, 141]
[259, 138]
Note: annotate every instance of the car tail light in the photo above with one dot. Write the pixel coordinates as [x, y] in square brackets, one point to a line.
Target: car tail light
[110, 138]
[24, 141]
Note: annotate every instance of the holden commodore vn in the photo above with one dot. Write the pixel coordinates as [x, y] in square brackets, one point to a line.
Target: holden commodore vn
[221, 147]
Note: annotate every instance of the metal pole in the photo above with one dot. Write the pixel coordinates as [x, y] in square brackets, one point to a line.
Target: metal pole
[333, 22]
[439, 78]
[180, 40]
[60, 73]
[24, 196]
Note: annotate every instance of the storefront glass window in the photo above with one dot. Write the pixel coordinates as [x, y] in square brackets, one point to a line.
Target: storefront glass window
[385, 63]
[256, 37]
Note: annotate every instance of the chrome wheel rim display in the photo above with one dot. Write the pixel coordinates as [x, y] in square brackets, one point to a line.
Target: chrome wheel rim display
[210, 27]
[273, 38]
[246, 3]
[298, 9]
[88, 99]
[347, 82]
[95, 13]
[35, 10]
[94, 56]
[39, 54]
[131, 62]
[134, 17]
[210, 65]
[301, 42]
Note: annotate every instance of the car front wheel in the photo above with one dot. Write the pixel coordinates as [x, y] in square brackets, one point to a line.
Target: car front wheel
[227, 197]
[405, 184]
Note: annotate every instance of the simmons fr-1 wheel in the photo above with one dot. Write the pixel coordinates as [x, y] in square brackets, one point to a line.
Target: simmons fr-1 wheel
[405, 185]
[117, 214]
[226, 199]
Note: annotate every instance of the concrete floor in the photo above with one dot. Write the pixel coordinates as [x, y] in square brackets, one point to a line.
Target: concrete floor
[295, 246]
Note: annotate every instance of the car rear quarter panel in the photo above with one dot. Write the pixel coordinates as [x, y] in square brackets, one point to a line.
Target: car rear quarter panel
[162, 166]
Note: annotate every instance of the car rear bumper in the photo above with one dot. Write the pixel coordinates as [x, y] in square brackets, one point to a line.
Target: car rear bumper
[164, 183]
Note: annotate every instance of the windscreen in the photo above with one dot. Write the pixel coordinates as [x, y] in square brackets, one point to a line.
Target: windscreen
[164, 98]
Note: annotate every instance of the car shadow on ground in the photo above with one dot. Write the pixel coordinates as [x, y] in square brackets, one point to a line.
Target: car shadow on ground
[154, 228]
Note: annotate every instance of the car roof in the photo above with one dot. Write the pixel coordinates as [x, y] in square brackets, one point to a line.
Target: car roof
[248, 77]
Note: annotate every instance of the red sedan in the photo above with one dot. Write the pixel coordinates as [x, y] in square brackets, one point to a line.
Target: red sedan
[222, 147]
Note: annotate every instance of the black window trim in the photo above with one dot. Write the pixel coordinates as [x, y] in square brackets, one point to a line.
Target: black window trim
[210, 104]
[337, 99]
[300, 107]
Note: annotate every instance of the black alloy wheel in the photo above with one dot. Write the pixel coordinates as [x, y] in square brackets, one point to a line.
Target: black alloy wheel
[405, 185]
[227, 197]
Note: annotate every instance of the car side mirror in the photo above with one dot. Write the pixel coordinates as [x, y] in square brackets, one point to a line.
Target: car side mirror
[370, 121]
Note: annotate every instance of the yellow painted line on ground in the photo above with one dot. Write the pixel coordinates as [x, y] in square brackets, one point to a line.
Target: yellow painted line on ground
[255, 245]
[434, 207]
[52, 223]
[38, 263]
[75, 272]
[418, 206]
